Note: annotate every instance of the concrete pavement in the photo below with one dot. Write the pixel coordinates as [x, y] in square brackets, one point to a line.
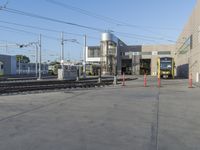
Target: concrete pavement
[110, 118]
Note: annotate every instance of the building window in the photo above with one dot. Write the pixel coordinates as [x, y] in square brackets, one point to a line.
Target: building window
[186, 46]
[112, 48]
[164, 53]
[146, 53]
[191, 42]
[93, 52]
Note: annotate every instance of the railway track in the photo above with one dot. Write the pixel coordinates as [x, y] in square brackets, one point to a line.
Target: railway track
[15, 87]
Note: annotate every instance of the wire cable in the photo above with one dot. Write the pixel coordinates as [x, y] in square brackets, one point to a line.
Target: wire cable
[50, 19]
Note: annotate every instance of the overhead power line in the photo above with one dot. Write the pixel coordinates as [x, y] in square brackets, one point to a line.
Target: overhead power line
[105, 18]
[28, 32]
[111, 20]
[81, 26]
[35, 27]
[45, 29]
[145, 37]
[50, 19]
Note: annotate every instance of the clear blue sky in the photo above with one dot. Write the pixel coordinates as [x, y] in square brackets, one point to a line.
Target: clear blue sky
[154, 20]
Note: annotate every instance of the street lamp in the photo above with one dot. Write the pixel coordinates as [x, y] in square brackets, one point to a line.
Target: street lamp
[62, 50]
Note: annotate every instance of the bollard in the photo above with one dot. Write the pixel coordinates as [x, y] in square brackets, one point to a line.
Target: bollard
[197, 77]
[115, 80]
[145, 80]
[159, 82]
[123, 78]
[190, 81]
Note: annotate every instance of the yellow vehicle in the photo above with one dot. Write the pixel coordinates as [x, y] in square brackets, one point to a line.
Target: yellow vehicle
[92, 69]
[165, 67]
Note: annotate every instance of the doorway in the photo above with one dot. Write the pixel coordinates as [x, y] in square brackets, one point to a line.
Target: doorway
[145, 66]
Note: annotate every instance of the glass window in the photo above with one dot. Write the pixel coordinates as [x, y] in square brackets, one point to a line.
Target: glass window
[166, 65]
[164, 53]
[146, 53]
[94, 52]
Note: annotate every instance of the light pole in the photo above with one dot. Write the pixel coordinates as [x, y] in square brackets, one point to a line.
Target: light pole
[40, 58]
[19, 66]
[36, 60]
[84, 56]
[115, 58]
[62, 50]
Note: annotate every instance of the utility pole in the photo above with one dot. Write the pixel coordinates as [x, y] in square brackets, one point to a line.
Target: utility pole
[62, 50]
[40, 57]
[19, 67]
[115, 73]
[62, 54]
[84, 56]
[36, 61]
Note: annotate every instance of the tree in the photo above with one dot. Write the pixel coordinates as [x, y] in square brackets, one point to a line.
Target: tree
[22, 59]
[54, 63]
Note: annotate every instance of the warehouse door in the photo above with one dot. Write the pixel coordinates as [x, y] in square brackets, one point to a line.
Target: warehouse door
[126, 66]
[145, 66]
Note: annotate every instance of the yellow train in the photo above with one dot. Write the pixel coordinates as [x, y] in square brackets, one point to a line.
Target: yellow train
[166, 66]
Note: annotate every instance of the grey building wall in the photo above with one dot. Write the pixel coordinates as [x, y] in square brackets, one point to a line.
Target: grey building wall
[188, 46]
[126, 53]
[9, 63]
[13, 65]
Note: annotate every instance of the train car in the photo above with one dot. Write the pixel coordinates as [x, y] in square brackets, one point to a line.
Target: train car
[1, 69]
[92, 69]
[53, 68]
[165, 67]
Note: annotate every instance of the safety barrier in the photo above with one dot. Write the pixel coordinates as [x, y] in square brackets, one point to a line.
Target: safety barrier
[159, 82]
[123, 80]
[145, 80]
[190, 81]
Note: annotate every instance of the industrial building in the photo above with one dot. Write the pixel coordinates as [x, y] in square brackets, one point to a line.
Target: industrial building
[187, 48]
[117, 57]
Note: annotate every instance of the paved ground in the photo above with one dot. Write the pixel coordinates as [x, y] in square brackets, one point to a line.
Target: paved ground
[110, 118]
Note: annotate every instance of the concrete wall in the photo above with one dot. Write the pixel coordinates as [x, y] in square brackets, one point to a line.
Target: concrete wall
[13, 65]
[189, 61]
